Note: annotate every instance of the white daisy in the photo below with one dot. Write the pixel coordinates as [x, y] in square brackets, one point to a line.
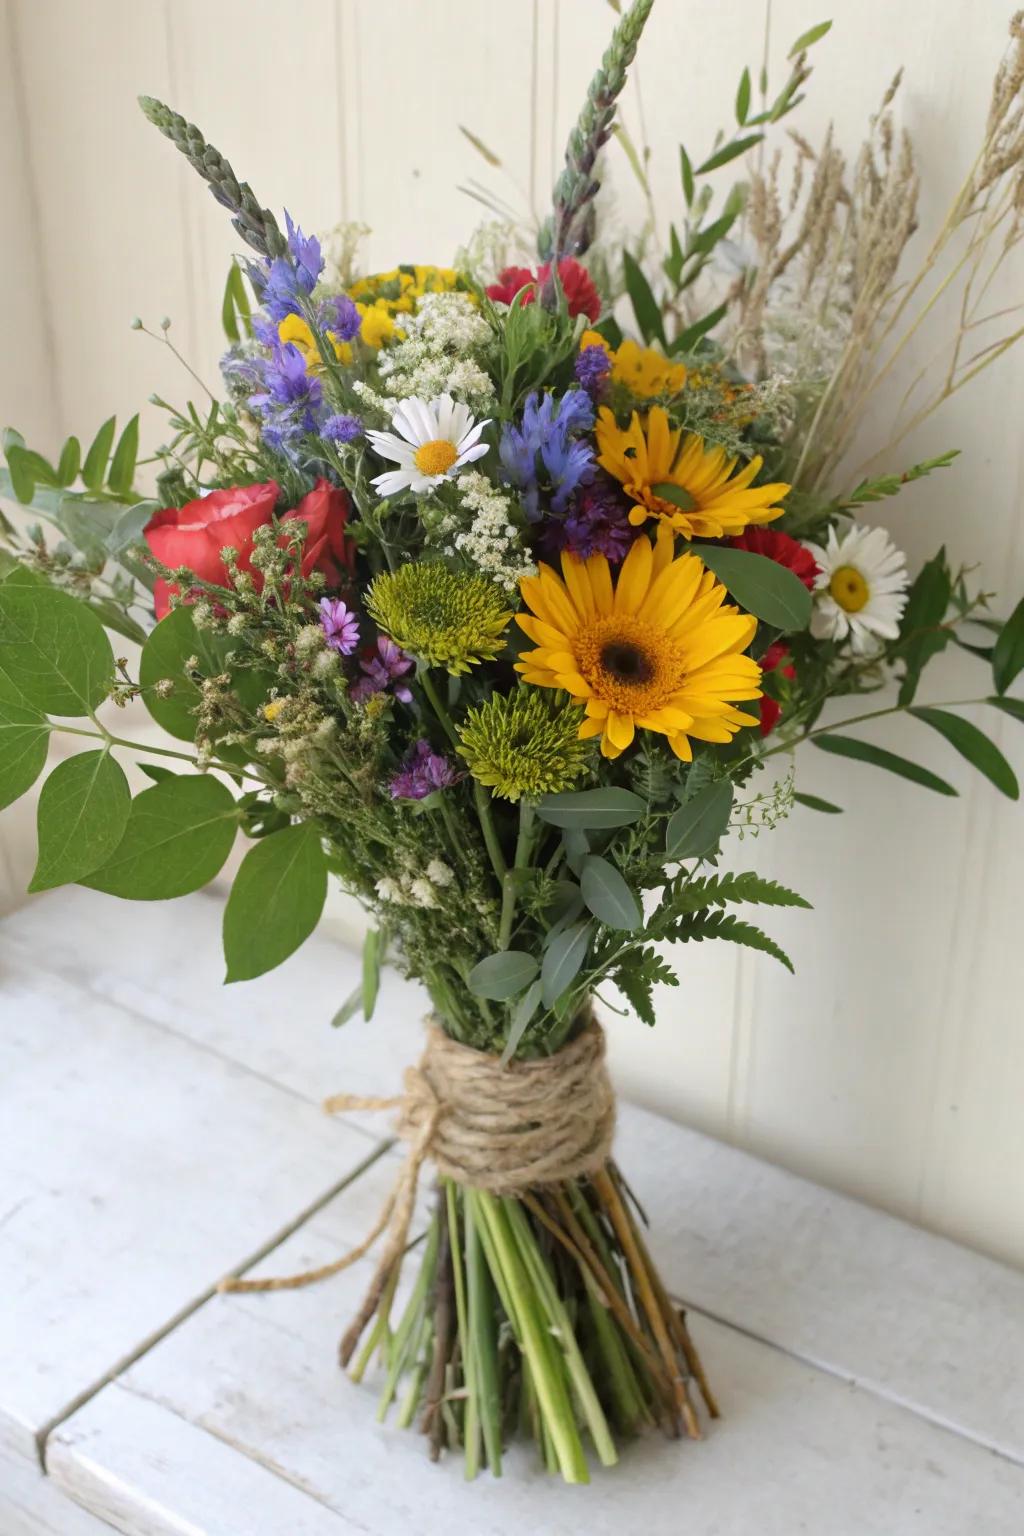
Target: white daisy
[435, 438]
[861, 589]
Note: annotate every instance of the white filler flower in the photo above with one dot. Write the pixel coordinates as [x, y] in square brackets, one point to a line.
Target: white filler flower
[434, 439]
[861, 589]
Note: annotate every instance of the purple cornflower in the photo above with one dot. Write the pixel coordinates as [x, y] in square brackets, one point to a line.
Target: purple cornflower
[341, 429]
[281, 282]
[339, 624]
[384, 666]
[339, 315]
[541, 455]
[289, 399]
[592, 369]
[596, 523]
[423, 772]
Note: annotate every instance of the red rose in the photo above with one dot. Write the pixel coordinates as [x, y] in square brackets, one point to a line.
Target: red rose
[771, 709]
[778, 546]
[194, 535]
[580, 294]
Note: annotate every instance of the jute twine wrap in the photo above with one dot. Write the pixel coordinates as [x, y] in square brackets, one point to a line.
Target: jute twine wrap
[503, 1129]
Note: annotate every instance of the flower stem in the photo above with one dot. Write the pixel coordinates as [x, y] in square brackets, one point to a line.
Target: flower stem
[483, 809]
[443, 717]
[524, 848]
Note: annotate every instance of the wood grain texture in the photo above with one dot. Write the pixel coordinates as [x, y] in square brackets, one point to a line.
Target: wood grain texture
[892, 1067]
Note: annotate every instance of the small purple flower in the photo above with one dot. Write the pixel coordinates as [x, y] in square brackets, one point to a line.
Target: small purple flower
[341, 429]
[289, 399]
[423, 772]
[592, 369]
[597, 523]
[541, 456]
[306, 253]
[339, 315]
[339, 624]
[281, 282]
[380, 669]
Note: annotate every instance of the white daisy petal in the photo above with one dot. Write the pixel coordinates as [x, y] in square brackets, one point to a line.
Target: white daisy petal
[861, 590]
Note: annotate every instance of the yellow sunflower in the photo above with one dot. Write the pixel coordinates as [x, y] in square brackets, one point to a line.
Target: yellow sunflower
[675, 477]
[660, 649]
[641, 370]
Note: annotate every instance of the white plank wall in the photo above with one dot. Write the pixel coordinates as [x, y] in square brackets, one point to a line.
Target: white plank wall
[893, 1066]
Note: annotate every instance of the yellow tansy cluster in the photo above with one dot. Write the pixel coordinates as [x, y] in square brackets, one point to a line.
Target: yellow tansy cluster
[379, 298]
[641, 370]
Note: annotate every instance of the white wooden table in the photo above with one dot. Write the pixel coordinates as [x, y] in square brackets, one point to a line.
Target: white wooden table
[158, 1130]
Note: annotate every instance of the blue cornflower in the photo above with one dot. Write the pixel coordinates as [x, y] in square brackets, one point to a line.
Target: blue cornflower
[541, 456]
[289, 399]
[593, 367]
[280, 283]
[340, 316]
[341, 429]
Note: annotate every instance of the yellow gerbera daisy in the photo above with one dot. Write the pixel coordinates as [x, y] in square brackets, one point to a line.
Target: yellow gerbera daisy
[659, 650]
[676, 478]
[641, 370]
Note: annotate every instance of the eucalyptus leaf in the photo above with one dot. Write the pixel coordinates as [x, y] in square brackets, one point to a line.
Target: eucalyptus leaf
[597, 809]
[697, 827]
[275, 902]
[763, 587]
[521, 1015]
[52, 649]
[24, 738]
[373, 946]
[82, 812]
[562, 961]
[352, 1005]
[608, 896]
[177, 838]
[502, 975]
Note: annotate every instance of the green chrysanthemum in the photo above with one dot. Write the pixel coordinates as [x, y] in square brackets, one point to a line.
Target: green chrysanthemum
[447, 618]
[516, 744]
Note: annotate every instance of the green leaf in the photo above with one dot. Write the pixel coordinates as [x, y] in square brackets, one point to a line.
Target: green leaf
[24, 738]
[70, 462]
[83, 808]
[815, 803]
[172, 643]
[743, 98]
[686, 175]
[1014, 707]
[562, 961]
[352, 1005]
[688, 339]
[748, 887]
[728, 152]
[636, 976]
[723, 925]
[809, 38]
[645, 305]
[677, 495]
[23, 481]
[95, 467]
[973, 745]
[373, 953]
[178, 836]
[275, 902]
[156, 772]
[763, 587]
[1008, 656]
[878, 757]
[921, 638]
[592, 809]
[521, 1015]
[891, 485]
[698, 826]
[122, 466]
[53, 650]
[502, 975]
[608, 896]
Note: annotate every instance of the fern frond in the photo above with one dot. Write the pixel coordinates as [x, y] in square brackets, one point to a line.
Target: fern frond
[723, 925]
[717, 890]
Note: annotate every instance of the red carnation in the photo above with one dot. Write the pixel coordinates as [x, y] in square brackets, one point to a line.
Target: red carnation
[778, 546]
[771, 709]
[580, 294]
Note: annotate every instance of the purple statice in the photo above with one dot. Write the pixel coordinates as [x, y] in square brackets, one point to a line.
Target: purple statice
[289, 400]
[542, 457]
[339, 624]
[341, 429]
[596, 523]
[282, 284]
[423, 772]
[385, 666]
[592, 369]
[340, 316]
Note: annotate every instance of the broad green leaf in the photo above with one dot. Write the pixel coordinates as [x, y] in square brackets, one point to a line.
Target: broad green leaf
[698, 826]
[70, 462]
[502, 975]
[592, 809]
[763, 587]
[373, 946]
[816, 803]
[174, 640]
[730, 151]
[1014, 707]
[52, 649]
[645, 305]
[921, 636]
[974, 745]
[83, 809]
[179, 834]
[156, 772]
[521, 1015]
[608, 896]
[95, 467]
[566, 901]
[562, 961]
[1008, 655]
[275, 902]
[808, 38]
[24, 737]
[878, 757]
[122, 465]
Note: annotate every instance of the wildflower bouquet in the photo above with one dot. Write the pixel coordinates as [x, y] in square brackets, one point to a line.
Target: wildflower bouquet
[494, 611]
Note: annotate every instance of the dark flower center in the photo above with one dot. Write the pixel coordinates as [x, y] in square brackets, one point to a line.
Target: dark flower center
[626, 662]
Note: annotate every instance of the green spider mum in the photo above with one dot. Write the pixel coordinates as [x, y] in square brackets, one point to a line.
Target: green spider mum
[447, 618]
[517, 745]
